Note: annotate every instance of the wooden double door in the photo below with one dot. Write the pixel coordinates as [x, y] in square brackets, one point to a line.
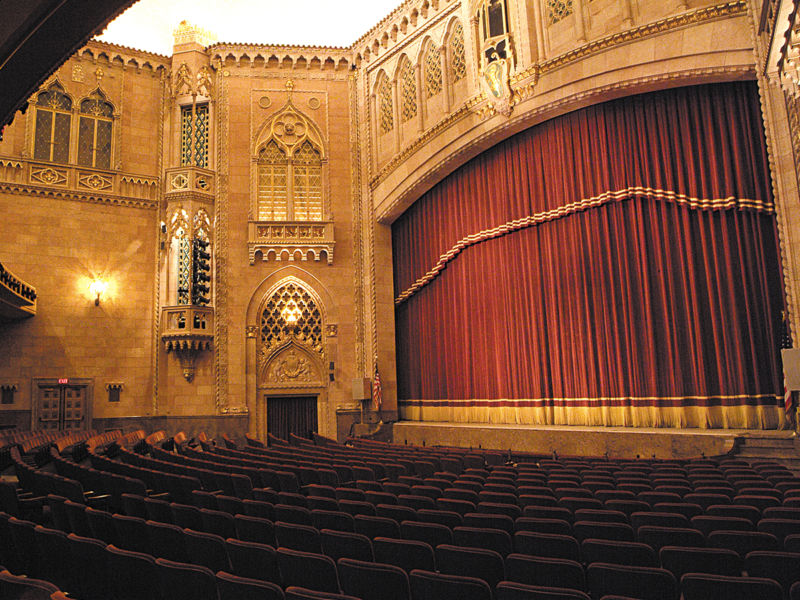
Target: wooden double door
[61, 407]
[291, 414]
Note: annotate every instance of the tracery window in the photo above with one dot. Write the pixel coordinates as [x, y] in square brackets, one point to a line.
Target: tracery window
[558, 10]
[53, 124]
[94, 132]
[433, 72]
[290, 187]
[291, 312]
[459, 57]
[194, 135]
[385, 106]
[409, 89]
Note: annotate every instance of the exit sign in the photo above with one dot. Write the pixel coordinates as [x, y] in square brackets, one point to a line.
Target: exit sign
[63, 381]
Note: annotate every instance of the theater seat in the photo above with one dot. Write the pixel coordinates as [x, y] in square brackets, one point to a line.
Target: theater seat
[233, 587]
[427, 585]
[511, 590]
[697, 586]
[373, 581]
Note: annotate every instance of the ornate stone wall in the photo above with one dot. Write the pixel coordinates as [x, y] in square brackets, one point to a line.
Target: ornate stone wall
[422, 92]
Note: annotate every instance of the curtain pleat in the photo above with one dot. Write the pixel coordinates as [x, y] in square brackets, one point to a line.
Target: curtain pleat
[649, 308]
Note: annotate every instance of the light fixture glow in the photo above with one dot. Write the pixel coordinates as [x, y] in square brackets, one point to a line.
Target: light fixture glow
[97, 288]
[291, 313]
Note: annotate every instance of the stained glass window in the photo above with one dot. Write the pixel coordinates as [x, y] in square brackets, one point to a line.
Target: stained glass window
[194, 135]
[53, 124]
[94, 132]
[459, 58]
[201, 135]
[385, 107]
[409, 82]
[280, 201]
[433, 72]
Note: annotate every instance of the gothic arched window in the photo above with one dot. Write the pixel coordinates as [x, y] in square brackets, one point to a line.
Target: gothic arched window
[292, 312]
[409, 91]
[459, 58]
[433, 72]
[290, 187]
[385, 106]
[53, 124]
[94, 132]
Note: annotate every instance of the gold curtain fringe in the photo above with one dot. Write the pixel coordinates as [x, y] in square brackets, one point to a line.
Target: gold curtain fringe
[713, 417]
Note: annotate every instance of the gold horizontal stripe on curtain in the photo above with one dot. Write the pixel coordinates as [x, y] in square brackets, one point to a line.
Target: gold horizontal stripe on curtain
[580, 206]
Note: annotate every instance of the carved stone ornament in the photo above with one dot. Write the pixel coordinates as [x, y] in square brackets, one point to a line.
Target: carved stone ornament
[183, 80]
[291, 368]
[495, 82]
[205, 86]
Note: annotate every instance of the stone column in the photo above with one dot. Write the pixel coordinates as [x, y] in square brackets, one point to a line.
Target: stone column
[580, 26]
[396, 115]
[447, 80]
[420, 95]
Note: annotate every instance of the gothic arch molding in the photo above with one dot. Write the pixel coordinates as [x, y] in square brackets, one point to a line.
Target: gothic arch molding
[290, 367]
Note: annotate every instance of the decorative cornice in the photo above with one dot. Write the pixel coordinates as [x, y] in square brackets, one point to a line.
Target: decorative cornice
[521, 92]
[728, 9]
[582, 205]
[58, 194]
[542, 112]
[443, 124]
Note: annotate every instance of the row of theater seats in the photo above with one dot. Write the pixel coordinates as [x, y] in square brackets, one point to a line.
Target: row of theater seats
[431, 492]
[398, 560]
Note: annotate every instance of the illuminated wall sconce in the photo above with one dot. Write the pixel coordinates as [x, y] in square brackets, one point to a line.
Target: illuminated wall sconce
[97, 288]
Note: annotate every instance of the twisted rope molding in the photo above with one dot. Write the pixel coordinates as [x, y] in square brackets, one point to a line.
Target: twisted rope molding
[575, 207]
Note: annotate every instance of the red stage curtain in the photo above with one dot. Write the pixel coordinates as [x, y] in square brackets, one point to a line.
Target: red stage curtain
[654, 281]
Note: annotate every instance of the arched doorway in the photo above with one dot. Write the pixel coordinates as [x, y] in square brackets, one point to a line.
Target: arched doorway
[291, 353]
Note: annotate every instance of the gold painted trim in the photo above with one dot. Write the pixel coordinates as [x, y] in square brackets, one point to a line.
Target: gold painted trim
[466, 402]
[727, 9]
[449, 120]
[575, 207]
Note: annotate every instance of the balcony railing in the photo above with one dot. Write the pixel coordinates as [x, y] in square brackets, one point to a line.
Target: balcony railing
[17, 298]
[290, 240]
[194, 180]
[73, 179]
[187, 327]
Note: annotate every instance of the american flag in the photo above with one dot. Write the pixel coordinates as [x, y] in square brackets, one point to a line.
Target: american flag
[786, 343]
[377, 392]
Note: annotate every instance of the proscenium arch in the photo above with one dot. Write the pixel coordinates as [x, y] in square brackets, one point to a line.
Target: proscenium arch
[446, 159]
[330, 311]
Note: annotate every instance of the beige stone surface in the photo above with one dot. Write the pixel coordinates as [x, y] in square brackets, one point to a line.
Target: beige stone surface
[58, 236]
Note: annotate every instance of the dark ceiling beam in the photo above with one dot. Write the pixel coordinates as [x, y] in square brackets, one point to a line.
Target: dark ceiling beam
[38, 36]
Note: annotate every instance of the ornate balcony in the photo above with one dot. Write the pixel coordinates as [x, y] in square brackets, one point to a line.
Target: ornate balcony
[187, 331]
[78, 183]
[290, 240]
[190, 182]
[17, 298]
